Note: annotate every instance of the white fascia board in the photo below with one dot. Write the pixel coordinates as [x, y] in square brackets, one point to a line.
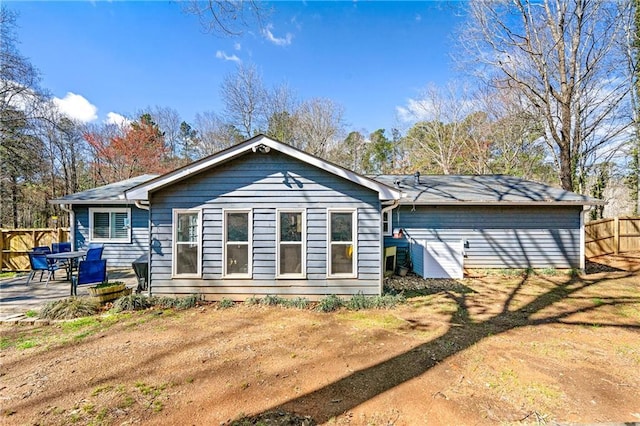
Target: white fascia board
[502, 203]
[141, 192]
[91, 202]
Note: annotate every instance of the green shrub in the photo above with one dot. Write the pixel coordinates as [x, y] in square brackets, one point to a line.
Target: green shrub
[272, 300]
[297, 302]
[226, 303]
[358, 302]
[186, 302]
[108, 284]
[132, 302]
[253, 300]
[71, 307]
[387, 301]
[330, 303]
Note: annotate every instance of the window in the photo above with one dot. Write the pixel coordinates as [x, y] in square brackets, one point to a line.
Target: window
[187, 259]
[342, 243]
[237, 243]
[291, 244]
[387, 223]
[110, 225]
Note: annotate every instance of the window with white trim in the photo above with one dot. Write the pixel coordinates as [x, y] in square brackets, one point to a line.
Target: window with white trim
[237, 243]
[291, 243]
[387, 223]
[187, 243]
[341, 241]
[110, 225]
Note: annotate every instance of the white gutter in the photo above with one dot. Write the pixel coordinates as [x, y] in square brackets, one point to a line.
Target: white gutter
[395, 204]
[72, 224]
[141, 206]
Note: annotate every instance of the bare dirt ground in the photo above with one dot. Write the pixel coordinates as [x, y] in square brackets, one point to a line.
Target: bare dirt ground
[482, 350]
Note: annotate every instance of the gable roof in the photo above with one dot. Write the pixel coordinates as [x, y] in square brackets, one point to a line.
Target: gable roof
[262, 144]
[480, 190]
[112, 193]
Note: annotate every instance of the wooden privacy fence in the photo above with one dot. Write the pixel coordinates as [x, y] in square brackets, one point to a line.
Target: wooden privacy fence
[15, 245]
[616, 235]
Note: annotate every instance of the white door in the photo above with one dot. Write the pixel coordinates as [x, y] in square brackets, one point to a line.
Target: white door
[443, 259]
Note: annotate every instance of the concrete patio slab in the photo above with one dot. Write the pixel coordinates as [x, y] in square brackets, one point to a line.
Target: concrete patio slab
[16, 297]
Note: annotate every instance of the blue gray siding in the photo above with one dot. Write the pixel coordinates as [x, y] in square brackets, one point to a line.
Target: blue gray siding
[496, 237]
[117, 254]
[264, 182]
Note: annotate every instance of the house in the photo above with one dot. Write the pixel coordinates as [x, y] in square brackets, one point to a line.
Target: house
[449, 223]
[263, 217]
[103, 215]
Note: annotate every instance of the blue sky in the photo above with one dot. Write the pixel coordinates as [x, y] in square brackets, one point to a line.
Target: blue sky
[120, 57]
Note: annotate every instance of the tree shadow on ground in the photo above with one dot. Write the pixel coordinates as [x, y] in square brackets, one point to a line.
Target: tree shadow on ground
[345, 394]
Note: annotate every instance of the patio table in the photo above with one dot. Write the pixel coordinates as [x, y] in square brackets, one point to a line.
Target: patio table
[69, 256]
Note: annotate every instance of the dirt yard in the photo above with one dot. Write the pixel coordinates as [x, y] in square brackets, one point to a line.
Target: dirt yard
[483, 350]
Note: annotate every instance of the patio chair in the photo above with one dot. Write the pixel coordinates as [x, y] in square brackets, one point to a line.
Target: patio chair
[61, 247]
[89, 272]
[94, 252]
[39, 262]
[41, 249]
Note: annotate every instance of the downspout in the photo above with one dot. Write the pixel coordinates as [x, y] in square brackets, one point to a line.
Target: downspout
[146, 207]
[395, 204]
[582, 239]
[72, 224]
[141, 206]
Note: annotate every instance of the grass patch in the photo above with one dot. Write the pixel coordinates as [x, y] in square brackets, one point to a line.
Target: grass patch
[69, 308]
[27, 344]
[6, 275]
[80, 323]
[31, 313]
[367, 320]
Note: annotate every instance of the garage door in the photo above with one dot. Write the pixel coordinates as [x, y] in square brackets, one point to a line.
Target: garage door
[443, 259]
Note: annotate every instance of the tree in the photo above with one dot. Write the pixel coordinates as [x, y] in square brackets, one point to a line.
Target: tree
[563, 56]
[319, 124]
[439, 139]
[214, 134]
[281, 111]
[244, 98]
[350, 153]
[226, 17]
[19, 79]
[633, 55]
[138, 150]
[20, 162]
[379, 154]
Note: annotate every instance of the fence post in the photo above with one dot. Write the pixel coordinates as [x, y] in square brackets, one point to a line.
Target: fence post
[1, 250]
[616, 235]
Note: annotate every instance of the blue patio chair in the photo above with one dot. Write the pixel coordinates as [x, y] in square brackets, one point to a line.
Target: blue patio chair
[61, 247]
[42, 249]
[94, 252]
[89, 272]
[39, 262]
[64, 247]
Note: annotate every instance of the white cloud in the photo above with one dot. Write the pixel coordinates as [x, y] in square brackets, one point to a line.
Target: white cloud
[117, 119]
[415, 110]
[237, 46]
[77, 107]
[283, 41]
[220, 54]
